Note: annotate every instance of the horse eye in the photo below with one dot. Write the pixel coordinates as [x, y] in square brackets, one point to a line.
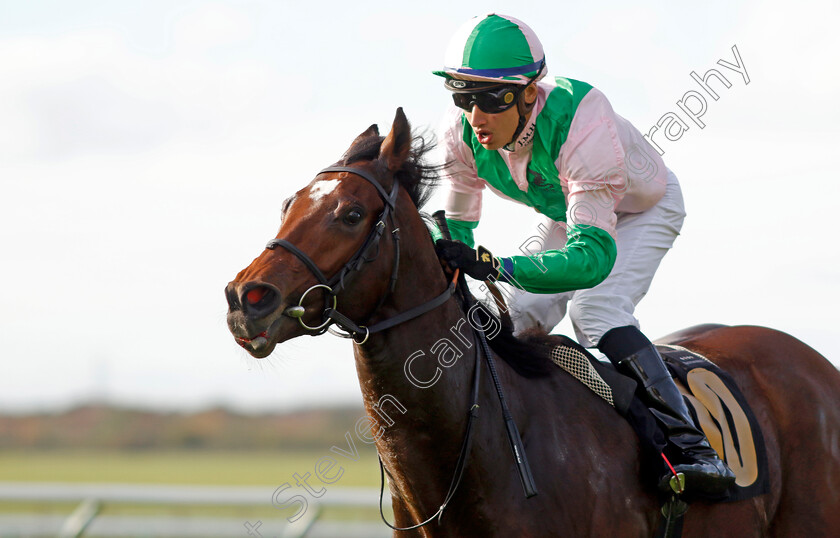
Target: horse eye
[353, 217]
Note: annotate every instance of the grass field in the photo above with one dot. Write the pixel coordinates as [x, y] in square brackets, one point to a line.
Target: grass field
[184, 467]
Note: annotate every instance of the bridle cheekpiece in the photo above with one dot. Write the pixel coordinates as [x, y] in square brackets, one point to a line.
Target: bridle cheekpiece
[333, 286]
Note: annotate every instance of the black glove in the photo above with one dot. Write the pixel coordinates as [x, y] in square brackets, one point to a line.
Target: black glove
[479, 264]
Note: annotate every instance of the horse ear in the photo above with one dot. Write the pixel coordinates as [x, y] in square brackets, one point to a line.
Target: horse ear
[373, 130]
[397, 144]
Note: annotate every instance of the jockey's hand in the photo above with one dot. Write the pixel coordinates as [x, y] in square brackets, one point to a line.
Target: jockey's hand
[479, 264]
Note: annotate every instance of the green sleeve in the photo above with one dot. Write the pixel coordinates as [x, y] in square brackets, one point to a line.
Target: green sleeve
[462, 230]
[585, 261]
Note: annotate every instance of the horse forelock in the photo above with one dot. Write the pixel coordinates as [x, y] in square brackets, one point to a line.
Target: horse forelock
[416, 176]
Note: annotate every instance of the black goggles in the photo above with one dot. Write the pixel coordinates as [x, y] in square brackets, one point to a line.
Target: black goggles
[491, 100]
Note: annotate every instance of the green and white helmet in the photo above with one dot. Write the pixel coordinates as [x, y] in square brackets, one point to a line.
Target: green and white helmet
[494, 48]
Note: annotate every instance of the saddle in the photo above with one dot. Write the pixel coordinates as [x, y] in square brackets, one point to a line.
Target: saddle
[715, 402]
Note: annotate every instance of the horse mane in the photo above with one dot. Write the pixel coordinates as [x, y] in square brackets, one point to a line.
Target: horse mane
[416, 176]
[529, 354]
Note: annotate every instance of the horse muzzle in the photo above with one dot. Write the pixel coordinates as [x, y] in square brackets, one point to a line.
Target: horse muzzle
[252, 315]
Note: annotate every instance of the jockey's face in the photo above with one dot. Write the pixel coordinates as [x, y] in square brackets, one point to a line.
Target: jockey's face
[494, 131]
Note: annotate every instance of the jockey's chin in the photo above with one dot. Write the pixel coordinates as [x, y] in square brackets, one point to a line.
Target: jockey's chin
[493, 131]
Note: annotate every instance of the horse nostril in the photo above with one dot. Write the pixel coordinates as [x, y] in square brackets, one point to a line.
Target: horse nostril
[255, 295]
[260, 300]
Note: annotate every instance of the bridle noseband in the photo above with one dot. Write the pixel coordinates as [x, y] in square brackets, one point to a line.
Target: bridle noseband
[337, 283]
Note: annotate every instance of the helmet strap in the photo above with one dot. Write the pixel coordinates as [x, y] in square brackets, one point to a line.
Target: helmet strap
[524, 109]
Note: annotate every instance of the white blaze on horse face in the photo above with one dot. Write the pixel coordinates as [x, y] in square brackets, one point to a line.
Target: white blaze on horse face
[322, 188]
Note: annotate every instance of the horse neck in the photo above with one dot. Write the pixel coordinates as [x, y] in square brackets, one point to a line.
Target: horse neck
[414, 423]
[402, 364]
[381, 363]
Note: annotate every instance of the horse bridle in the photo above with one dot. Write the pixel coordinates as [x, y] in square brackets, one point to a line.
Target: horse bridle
[337, 283]
[331, 315]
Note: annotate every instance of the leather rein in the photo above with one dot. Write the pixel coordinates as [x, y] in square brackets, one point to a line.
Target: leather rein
[332, 316]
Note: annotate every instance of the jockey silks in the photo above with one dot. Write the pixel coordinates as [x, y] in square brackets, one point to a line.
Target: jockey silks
[575, 161]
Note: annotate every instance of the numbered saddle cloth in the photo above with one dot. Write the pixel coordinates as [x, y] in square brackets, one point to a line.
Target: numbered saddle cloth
[715, 402]
[724, 415]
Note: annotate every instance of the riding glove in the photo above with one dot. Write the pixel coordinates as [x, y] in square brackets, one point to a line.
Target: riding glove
[479, 264]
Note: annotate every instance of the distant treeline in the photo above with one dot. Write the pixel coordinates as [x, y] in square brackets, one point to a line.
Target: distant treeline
[106, 427]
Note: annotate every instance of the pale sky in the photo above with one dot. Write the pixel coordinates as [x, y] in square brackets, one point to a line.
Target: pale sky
[145, 148]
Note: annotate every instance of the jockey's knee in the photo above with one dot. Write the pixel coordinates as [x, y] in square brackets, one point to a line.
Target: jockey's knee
[534, 310]
[593, 315]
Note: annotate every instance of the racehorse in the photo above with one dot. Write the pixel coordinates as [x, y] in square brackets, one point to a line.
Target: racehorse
[416, 360]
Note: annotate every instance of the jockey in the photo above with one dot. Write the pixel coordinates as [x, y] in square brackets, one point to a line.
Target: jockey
[612, 210]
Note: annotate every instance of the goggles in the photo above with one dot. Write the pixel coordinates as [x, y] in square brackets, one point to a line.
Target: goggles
[491, 97]
[492, 100]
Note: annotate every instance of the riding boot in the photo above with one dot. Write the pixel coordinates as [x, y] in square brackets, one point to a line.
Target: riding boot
[704, 471]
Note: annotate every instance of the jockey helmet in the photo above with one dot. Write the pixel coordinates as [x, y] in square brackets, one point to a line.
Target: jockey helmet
[494, 48]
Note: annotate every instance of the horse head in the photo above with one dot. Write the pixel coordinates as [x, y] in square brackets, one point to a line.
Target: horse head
[342, 222]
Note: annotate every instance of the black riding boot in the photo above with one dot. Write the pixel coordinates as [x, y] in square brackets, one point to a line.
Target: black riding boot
[634, 355]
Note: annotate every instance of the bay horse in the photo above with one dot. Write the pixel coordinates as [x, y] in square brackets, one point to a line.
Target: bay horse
[416, 364]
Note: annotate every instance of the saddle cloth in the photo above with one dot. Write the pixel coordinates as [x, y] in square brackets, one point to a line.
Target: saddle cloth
[715, 402]
[721, 411]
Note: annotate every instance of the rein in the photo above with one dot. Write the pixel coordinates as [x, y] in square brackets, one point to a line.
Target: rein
[337, 283]
[332, 316]
[462, 456]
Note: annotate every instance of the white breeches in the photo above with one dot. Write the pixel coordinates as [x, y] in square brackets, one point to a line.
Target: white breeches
[643, 239]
